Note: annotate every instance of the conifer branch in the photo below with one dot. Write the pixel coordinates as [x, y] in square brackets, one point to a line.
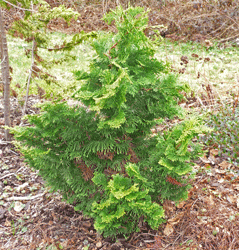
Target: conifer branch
[116, 43]
[15, 6]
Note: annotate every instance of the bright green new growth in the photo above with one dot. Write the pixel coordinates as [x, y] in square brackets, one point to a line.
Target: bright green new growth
[127, 200]
[103, 158]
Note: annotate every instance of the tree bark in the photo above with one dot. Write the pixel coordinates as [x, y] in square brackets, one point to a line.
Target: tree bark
[5, 75]
[29, 78]
[30, 73]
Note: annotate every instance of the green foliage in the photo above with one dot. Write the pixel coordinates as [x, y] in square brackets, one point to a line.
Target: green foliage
[52, 145]
[170, 159]
[225, 132]
[126, 84]
[24, 4]
[126, 200]
[35, 24]
[102, 156]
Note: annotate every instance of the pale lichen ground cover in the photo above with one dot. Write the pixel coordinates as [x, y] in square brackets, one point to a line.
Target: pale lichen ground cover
[216, 65]
[78, 58]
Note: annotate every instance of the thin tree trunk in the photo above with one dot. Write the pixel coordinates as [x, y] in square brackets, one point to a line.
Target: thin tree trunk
[29, 78]
[30, 73]
[5, 75]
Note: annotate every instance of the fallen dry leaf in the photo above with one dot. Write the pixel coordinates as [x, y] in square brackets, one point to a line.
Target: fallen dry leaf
[7, 223]
[229, 177]
[175, 220]
[181, 204]
[204, 160]
[87, 224]
[221, 180]
[212, 159]
[168, 229]
[214, 152]
[209, 200]
[236, 186]
[225, 165]
[168, 205]
[232, 198]
[195, 55]
[220, 171]
[50, 222]
[208, 43]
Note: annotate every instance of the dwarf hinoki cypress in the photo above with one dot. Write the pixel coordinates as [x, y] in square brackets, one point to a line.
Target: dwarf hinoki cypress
[102, 156]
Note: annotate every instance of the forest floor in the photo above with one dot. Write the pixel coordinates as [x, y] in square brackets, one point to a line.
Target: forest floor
[33, 218]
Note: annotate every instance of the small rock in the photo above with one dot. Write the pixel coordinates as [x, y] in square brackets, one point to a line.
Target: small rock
[99, 244]
[18, 206]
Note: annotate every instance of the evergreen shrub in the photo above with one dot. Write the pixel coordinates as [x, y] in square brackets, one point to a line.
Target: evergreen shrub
[102, 155]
